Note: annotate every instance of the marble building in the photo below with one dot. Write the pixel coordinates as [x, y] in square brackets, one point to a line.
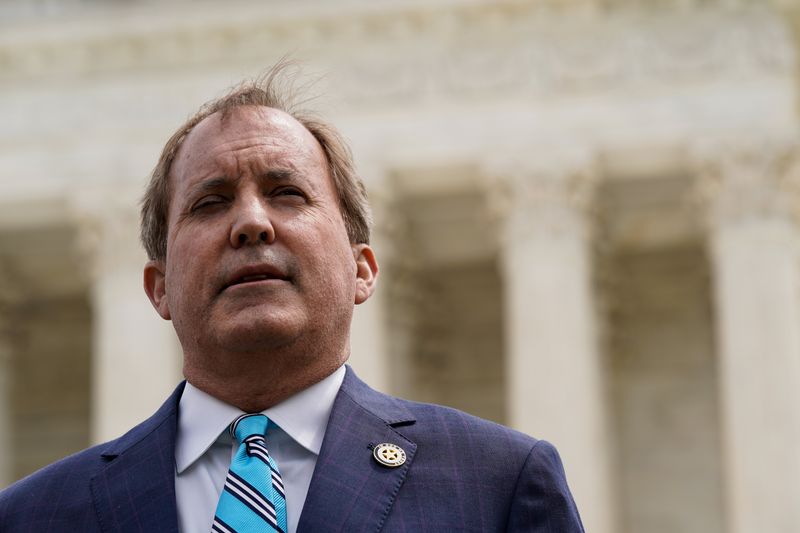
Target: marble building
[586, 222]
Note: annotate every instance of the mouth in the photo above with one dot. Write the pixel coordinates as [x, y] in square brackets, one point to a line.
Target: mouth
[255, 275]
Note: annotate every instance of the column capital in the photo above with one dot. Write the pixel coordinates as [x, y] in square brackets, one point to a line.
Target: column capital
[381, 199]
[387, 226]
[107, 223]
[742, 181]
[550, 193]
[10, 292]
[6, 331]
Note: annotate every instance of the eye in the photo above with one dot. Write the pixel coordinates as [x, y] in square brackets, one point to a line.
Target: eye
[288, 191]
[208, 201]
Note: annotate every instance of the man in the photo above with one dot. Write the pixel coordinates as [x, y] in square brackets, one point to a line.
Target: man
[257, 230]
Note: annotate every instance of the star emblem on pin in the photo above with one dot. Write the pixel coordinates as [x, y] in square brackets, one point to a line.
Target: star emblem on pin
[389, 455]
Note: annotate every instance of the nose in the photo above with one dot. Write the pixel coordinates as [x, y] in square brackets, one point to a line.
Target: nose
[252, 224]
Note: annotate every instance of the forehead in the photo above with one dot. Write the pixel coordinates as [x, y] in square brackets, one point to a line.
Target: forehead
[258, 133]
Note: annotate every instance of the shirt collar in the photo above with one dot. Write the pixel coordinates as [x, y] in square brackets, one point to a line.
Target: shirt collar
[303, 416]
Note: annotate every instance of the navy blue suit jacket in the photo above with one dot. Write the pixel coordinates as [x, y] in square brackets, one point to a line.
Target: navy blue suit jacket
[461, 474]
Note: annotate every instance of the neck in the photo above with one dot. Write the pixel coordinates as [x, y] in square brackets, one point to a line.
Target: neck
[257, 382]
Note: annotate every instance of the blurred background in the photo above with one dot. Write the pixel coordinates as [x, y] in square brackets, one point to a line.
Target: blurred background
[585, 218]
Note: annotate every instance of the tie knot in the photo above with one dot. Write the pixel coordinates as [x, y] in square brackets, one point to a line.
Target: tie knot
[248, 425]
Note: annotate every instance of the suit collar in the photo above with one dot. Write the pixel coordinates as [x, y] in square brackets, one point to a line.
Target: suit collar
[204, 419]
[350, 491]
[136, 490]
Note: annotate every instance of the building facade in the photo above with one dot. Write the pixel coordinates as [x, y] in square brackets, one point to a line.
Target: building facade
[585, 219]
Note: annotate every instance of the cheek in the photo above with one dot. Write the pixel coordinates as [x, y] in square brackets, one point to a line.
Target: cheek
[344, 273]
[173, 287]
[184, 265]
[334, 268]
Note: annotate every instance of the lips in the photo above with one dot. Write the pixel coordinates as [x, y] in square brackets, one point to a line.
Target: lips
[254, 274]
[257, 277]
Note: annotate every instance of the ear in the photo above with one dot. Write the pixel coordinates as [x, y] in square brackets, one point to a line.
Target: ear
[155, 287]
[366, 272]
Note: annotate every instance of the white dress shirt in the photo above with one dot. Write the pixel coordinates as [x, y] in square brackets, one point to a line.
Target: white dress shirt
[204, 448]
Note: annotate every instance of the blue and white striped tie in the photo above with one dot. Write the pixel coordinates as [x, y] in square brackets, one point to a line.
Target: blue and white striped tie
[253, 499]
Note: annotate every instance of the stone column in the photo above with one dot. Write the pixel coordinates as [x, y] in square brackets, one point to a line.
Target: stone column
[751, 199]
[555, 377]
[6, 427]
[369, 350]
[135, 361]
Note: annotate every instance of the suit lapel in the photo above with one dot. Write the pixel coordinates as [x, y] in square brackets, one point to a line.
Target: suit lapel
[136, 491]
[350, 491]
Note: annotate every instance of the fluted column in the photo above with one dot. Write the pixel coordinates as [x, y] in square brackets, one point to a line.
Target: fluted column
[555, 379]
[751, 199]
[135, 361]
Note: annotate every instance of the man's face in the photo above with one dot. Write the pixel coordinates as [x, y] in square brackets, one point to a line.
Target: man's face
[258, 256]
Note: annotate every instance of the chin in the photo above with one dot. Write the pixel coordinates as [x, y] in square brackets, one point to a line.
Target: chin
[258, 334]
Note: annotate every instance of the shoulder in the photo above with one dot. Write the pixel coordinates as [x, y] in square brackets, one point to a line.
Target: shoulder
[440, 423]
[430, 424]
[63, 486]
[61, 493]
[525, 474]
[542, 499]
[443, 435]
[523, 480]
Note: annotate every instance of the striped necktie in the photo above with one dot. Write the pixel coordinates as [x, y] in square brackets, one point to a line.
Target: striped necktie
[253, 499]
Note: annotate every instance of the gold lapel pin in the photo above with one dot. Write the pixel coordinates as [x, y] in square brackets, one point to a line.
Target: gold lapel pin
[388, 454]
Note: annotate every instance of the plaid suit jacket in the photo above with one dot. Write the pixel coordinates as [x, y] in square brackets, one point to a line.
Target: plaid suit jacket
[461, 474]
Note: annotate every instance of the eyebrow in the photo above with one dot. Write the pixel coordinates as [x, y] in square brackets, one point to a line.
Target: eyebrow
[210, 185]
[278, 174]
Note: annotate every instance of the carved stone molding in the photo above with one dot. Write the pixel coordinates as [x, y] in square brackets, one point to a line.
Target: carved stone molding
[533, 49]
[748, 180]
